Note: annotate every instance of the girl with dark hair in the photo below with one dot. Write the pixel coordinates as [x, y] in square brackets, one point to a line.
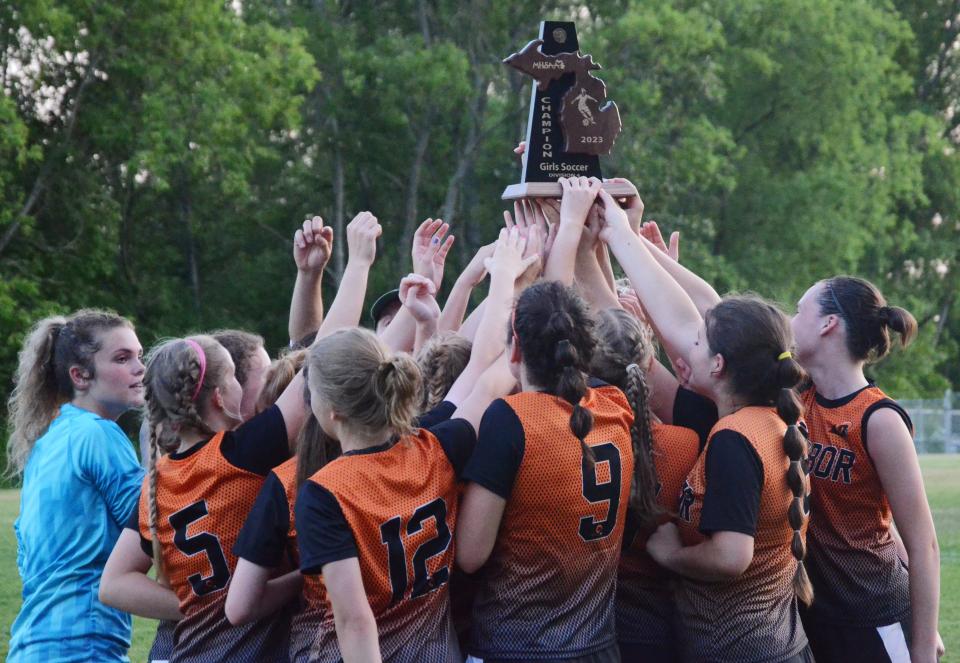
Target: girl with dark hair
[549, 484]
[378, 521]
[864, 472]
[75, 377]
[740, 544]
[663, 457]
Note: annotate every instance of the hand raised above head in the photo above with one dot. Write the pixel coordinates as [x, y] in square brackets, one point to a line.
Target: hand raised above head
[312, 245]
[651, 232]
[418, 295]
[508, 255]
[362, 234]
[614, 218]
[430, 248]
[578, 195]
[633, 205]
[475, 270]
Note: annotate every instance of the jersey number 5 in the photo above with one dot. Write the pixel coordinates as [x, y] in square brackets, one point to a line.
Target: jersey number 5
[590, 528]
[204, 542]
[390, 535]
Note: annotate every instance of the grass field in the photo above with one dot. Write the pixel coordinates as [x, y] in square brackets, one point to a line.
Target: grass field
[941, 475]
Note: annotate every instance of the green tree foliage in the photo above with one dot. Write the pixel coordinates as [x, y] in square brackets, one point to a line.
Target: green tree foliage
[156, 157]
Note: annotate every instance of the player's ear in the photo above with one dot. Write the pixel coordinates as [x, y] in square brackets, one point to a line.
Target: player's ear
[79, 377]
[829, 323]
[216, 398]
[717, 364]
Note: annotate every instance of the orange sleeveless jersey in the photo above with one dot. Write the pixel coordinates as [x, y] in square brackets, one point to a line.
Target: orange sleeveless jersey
[753, 617]
[401, 505]
[203, 501]
[644, 609]
[306, 621]
[857, 575]
[548, 587]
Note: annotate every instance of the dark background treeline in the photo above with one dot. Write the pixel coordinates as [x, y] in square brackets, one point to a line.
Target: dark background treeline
[156, 157]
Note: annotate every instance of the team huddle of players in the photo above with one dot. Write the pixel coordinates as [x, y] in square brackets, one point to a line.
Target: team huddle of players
[529, 483]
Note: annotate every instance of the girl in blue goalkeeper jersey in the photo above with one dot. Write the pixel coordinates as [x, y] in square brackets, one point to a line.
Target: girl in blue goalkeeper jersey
[81, 479]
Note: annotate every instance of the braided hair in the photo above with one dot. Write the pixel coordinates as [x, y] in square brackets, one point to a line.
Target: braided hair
[755, 339]
[178, 384]
[555, 333]
[441, 360]
[624, 345]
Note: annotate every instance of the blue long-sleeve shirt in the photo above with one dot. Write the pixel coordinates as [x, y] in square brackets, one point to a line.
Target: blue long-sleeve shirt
[81, 483]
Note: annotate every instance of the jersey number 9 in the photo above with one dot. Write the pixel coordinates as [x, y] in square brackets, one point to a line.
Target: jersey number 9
[390, 535]
[590, 528]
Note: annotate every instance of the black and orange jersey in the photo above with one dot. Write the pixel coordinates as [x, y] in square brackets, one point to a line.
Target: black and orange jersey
[547, 590]
[203, 497]
[644, 609]
[753, 617]
[393, 507]
[269, 539]
[852, 558]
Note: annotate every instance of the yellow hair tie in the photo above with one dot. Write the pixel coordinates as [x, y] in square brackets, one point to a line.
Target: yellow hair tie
[786, 354]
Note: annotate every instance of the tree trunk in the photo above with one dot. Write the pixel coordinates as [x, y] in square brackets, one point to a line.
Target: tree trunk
[413, 184]
[184, 211]
[339, 221]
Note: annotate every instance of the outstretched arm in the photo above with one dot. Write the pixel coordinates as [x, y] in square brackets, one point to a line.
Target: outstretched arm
[589, 275]
[668, 307]
[312, 245]
[417, 295]
[702, 293]
[505, 267]
[429, 253]
[451, 319]
[347, 307]
[578, 195]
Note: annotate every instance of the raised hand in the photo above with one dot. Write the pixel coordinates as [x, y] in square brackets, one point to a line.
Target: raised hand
[614, 218]
[418, 295]
[430, 249]
[633, 205]
[508, 256]
[475, 270]
[312, 245]
[578, 195]
[591, 231]
[651, 232]
[362, 234]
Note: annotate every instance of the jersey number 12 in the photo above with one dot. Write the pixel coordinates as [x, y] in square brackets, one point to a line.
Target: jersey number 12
[391, 536]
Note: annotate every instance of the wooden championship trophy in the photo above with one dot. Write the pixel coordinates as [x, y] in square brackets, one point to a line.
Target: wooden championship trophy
[571, 122]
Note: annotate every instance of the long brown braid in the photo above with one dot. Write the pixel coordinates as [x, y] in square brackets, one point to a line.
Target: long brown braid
[755, 339]
[624, 345]
[555, 333]
[176, 400]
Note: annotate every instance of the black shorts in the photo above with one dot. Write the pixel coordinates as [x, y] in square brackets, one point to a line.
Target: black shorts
[836, 643]
[649, 653]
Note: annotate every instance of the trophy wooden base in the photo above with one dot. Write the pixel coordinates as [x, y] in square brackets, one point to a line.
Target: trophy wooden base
[553, 190]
